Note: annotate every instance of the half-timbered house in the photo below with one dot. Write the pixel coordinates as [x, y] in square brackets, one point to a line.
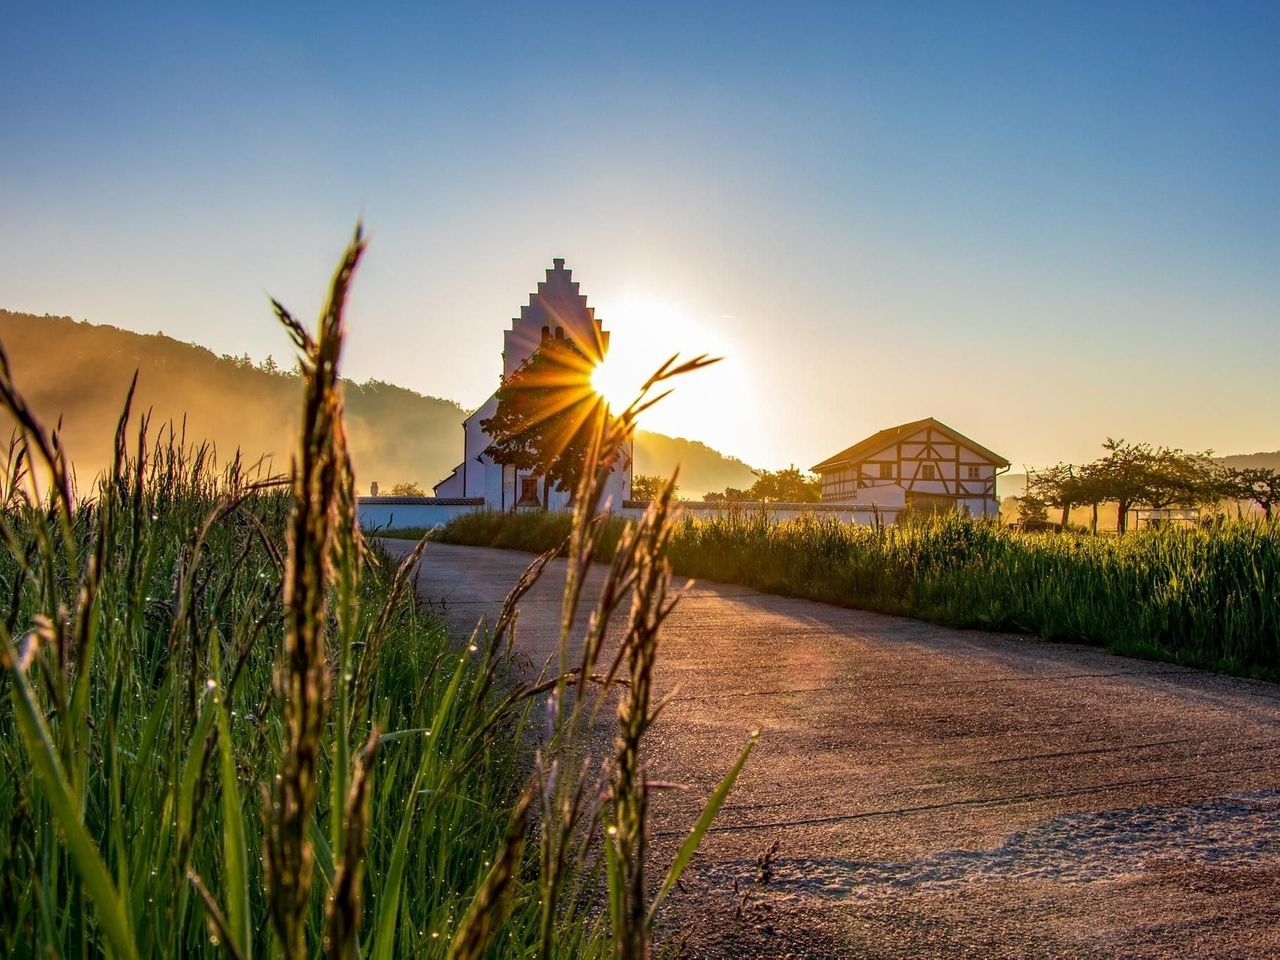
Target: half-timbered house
[935, 467]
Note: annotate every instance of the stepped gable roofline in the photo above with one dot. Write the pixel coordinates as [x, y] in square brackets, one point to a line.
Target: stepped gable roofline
[873, 444]
[556, 304]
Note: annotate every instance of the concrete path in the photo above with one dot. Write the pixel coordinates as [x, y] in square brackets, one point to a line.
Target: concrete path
[926, 792]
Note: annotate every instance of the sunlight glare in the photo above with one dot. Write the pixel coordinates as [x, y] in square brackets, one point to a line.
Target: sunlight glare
[617, 384]
[645, 331]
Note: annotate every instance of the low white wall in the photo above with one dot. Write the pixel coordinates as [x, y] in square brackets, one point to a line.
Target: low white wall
[864, 513]
[397, 513]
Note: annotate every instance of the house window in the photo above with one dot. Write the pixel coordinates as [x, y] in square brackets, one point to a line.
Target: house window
[927, 471]
[974, 473]
[528, 490]
[886, 471]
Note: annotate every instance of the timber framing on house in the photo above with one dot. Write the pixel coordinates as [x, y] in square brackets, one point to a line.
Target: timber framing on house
[935, 466]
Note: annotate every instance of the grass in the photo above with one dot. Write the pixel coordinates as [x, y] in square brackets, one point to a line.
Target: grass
[406, 533]
[227, 729]
[1206, 597]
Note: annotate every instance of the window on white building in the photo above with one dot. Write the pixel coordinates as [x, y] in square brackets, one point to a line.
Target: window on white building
[974, 473]
[927, 471]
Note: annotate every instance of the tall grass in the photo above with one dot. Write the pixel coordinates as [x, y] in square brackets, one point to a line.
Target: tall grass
[227, 728]
[1207, 597]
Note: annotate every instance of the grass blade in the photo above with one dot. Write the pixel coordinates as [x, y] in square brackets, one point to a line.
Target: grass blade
[108, 907]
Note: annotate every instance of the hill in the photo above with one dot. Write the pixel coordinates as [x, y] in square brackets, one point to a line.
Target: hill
[80, 372]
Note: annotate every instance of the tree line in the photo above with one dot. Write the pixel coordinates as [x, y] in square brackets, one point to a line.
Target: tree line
[791, 485]
[1131, 475]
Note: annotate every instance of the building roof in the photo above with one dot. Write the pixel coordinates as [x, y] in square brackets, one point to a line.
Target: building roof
[559, 307]
[873, 444]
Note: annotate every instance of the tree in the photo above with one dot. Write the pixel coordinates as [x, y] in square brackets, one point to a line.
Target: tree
[1255, 484]
[1058, 486]
[547, 416]
[411, 489]
[646, 486]
[1138, 474]
[786, 486]
[730, 495]
[1033, 513]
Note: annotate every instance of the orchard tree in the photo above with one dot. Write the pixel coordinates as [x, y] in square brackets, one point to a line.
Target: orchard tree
[1059, 486]
[547, 415]
[1138, 474]
[1033, 512]
[1258, 485]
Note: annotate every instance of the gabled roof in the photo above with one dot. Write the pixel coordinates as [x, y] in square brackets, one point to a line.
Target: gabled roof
[873, 444]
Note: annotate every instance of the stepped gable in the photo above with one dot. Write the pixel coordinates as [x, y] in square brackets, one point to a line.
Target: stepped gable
[555, 309]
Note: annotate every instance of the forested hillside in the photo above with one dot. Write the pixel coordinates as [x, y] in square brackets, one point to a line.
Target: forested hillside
[81, 371]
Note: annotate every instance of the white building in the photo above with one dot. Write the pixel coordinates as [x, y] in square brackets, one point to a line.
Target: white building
[556, 310]
[924, 465]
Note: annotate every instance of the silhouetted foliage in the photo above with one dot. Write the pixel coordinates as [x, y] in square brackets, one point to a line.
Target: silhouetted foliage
[411, 489]
[647, 486]
[1130, 475]
[786, 486]
[791, 485]
[547, 414]
[1258, 485]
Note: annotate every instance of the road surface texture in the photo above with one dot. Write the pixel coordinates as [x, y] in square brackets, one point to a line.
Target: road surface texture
[929, 792]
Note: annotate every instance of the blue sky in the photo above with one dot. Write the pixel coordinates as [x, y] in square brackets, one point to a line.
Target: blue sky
[1043, 224]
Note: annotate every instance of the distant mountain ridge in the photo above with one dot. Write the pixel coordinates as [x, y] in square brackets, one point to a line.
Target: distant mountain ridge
[80, 372]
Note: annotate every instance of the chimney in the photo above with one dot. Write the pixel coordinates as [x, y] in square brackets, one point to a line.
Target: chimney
[558, 263]
[373, 489]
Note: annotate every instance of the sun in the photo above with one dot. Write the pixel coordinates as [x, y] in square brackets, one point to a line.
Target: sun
[617, 384]
[645, 331]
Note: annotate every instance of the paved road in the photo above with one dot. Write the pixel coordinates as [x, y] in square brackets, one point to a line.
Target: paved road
[943, 793]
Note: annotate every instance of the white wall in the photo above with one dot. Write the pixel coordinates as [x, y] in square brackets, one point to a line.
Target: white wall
[867, 514]
[477, 441]
[397, 513]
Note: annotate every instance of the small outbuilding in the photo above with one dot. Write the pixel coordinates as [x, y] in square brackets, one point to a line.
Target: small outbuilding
[923, 465]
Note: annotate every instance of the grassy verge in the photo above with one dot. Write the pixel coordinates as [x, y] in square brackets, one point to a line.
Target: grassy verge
[227, 729]
[176, 727]
[1204, 597]
[406, 533]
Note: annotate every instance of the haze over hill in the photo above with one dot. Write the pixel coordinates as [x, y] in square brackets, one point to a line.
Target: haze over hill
[81, 371]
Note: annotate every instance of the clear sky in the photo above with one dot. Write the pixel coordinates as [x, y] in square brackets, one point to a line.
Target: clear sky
[1042, 224]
